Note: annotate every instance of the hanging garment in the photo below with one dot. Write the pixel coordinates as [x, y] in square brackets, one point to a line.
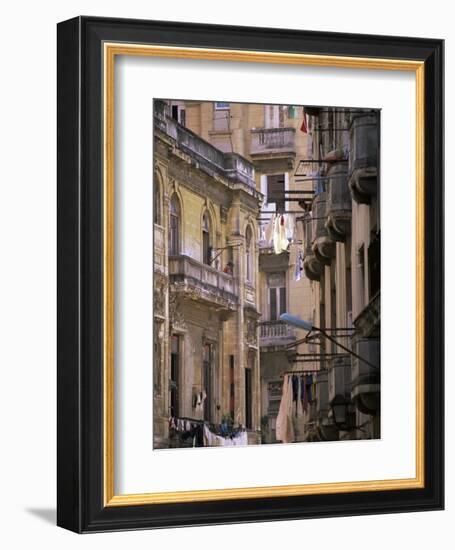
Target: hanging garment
[269, 229]
[304, 126]
[304, 394]
[298, 420]
[241, 438]
[299, 408]
[214, 440]
[295, 387]
[262, 232]
[276, 235]
[211, 439]
[280, 241]
[284, 426]
[309, 382]
[299, 266]
[289, 227]
[284, 243]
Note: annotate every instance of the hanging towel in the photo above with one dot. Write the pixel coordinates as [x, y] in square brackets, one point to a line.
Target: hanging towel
[289, 227]
[269, 230]
[284, 243]
[284, 427]
[276, 236]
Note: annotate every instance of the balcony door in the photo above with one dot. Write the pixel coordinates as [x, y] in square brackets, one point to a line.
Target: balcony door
[174, 226]
[276, 187]
[174, 404]
[277, 295]
[274, 116]
[249, 390]
[206, 244]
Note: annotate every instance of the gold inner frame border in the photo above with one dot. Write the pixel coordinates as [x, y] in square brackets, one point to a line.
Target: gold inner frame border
[110, 51]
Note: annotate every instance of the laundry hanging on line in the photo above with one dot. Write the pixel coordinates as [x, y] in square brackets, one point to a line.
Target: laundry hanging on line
[279, 232]
[284, 426]
[299, 266]
[214, 440]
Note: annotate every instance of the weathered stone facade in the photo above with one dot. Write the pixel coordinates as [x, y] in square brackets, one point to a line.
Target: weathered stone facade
[206, 334]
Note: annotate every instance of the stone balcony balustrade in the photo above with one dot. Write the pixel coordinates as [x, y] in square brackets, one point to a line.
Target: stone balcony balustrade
[272, 140]
[201, 282]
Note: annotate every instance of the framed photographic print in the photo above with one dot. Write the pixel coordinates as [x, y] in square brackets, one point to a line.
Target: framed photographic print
[250, 274]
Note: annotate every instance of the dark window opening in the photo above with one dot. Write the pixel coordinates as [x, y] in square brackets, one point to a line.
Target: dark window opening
[273, 309]
[175, 373]
[174, 227]
[374, 265]
[249, 255]
[206, 247]
[248, 399]
[178, 113]
[207, 368]
[282, 300]
[157, 204]
[275, 191]
[231, 387]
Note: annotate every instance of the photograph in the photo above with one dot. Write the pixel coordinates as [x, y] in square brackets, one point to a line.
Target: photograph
[267, 274]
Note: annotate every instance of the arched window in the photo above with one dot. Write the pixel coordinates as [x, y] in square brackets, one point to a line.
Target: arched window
[206, 240]
[157, 203]
[174, 226]
[249, 254]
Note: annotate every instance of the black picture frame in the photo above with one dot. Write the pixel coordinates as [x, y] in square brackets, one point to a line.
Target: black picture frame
[81, 503]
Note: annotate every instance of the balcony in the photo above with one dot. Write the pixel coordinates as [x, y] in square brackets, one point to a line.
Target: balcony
[275, 334]
[366, 389]
[269, 261]
[202, 283]
[323, 245]
[311, 265]
[236, 170]
[363, 157]
[273, 145]
[339, 203]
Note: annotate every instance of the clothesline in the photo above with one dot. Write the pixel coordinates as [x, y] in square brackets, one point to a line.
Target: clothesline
[305, 371]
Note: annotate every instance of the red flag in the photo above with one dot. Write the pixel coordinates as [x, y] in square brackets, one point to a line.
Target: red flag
[304, 127]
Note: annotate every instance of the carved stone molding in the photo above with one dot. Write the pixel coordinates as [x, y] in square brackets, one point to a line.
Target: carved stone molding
[176, 317]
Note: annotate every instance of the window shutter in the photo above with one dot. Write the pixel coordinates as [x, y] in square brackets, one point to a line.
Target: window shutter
[273, 311]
